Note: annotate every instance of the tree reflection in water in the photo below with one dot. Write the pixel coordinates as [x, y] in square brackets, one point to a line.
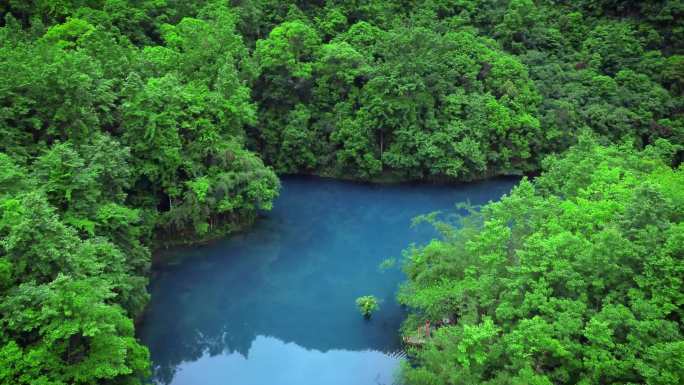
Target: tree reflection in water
[294, 278]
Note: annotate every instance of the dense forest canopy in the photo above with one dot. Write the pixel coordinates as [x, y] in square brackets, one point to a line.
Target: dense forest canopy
[131, 124]
[574, 278]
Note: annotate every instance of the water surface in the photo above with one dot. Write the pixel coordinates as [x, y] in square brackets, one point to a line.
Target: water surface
[275, 305]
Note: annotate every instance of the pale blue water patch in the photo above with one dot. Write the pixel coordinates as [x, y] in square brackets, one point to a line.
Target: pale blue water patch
[275, 305]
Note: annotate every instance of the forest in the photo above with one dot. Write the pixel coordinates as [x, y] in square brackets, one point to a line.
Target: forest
[127, 126]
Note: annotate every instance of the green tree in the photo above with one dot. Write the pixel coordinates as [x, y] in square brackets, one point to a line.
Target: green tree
[367, 304]
[572, 278]
[62, 320]
[285, 63]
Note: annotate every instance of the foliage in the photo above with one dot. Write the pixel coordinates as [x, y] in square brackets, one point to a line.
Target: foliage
[352, 92]
[575, 277]
[367, 304]
[110, 149]
[414, 103]
[457, 90]
[127, 125]
[65, 302]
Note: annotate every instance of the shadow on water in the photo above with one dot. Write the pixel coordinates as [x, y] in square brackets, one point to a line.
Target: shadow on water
[276, 303]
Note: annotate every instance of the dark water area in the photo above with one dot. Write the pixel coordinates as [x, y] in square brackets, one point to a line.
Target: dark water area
[275, 305]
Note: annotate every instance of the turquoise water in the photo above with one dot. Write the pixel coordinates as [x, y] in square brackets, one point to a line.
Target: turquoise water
[276, 305]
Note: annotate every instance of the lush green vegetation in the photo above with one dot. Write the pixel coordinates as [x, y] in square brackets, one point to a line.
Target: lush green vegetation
[575, 278]
[367, 304]
[130, 124]
[110, 145]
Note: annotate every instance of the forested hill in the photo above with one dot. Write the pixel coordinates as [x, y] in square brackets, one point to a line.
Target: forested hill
[128, 124]
[574, 278]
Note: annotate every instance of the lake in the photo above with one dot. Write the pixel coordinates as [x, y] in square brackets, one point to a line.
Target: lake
[275, 305]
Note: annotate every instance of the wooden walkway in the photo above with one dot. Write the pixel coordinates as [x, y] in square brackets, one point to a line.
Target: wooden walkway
[415, 340]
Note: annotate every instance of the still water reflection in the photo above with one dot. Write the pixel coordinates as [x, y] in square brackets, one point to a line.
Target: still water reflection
[276, 305]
